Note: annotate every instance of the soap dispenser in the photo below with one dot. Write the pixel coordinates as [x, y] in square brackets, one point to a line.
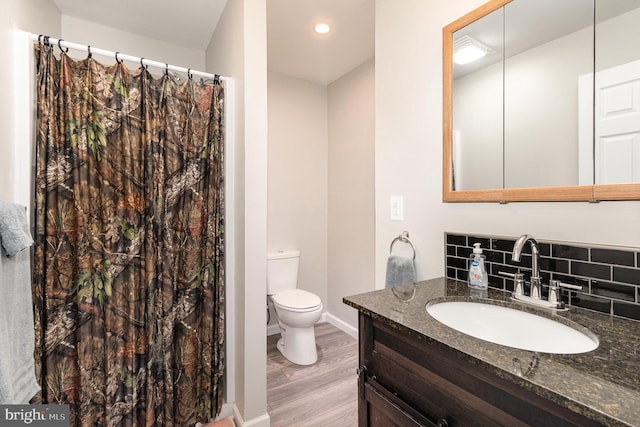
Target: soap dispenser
[477, 272]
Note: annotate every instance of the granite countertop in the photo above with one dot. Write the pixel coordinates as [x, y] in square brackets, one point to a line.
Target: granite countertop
[603, 384]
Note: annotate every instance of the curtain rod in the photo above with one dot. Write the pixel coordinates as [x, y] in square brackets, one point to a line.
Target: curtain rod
[119, 57]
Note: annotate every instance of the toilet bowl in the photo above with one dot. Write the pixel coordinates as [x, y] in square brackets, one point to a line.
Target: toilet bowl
[297, 310]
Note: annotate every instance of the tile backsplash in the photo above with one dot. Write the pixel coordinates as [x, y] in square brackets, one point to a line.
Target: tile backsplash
[609, 276]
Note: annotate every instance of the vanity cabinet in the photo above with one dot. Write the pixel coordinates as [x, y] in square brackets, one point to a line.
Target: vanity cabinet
[406, 379]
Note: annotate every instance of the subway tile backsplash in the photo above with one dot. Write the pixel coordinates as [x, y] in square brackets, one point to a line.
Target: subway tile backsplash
[609, 276]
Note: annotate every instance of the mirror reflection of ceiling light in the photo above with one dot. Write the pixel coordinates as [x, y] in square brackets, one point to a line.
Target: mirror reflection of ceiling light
[322, 27]
[467, 49]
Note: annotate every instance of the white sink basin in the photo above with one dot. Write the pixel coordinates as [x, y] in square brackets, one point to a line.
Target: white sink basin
[513, 328]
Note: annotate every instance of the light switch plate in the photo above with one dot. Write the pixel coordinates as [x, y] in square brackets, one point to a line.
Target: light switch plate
[397, 208]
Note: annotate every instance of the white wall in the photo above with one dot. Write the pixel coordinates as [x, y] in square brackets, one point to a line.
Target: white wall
[612, 40]
[238, 50]
[89, 33]
[547, 78]
[298, 177]
[351, 238]
[409, 152]
[408, 115]
[17, 17]
[478, 129]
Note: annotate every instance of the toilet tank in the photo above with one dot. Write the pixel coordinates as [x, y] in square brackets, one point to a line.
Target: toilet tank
[282, 271]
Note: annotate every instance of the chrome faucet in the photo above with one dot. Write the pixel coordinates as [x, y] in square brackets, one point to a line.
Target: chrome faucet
[535, 298]
[536, 280]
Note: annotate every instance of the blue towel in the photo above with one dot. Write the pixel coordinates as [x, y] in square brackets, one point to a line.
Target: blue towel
[14, 228]
[400, 270]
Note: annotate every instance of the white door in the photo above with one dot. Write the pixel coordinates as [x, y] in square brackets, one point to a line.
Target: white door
[617, 124]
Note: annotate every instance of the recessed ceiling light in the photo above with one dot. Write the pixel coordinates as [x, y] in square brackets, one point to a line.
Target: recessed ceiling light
[322, 27]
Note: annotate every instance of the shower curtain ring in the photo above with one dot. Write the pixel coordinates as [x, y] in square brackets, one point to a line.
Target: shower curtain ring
[142, 64]
[189, 75]
[166, 69]
[89, 55]
[60, 46]
[118, 60]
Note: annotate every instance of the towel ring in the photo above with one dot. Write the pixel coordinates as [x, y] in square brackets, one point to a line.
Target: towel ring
[404, 237]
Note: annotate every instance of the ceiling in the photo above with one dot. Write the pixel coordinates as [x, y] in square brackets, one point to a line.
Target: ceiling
[292, 46]
[294, 49]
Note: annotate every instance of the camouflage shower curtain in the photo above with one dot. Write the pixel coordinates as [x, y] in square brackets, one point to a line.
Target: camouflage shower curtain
[128, 268]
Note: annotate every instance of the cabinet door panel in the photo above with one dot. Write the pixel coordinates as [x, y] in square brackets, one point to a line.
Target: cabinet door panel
[386, 410]
[436, 397]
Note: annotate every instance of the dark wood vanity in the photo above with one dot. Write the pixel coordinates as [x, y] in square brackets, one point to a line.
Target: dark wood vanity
[406, 381]
[416, 371]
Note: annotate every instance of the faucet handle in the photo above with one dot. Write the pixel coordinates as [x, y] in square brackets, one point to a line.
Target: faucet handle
[568, 285]
[558, 284]
[554, 294]
[554, 287]
[518, 279]
[554, 291]
[512, 275]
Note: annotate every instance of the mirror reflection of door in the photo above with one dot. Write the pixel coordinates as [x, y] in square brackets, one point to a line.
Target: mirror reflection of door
[617, 124]
[613, 151]
[617, 115]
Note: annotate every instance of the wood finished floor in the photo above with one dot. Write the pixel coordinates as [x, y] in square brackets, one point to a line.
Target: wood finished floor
[323, 394]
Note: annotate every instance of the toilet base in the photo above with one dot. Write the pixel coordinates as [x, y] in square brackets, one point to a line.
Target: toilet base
[298, 345]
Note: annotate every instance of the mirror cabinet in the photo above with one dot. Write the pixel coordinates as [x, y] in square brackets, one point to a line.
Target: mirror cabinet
[541, 102]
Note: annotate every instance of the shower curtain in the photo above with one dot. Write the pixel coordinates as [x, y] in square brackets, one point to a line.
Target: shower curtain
[129, 243]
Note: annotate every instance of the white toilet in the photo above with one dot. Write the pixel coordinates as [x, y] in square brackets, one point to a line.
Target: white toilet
[297, 310]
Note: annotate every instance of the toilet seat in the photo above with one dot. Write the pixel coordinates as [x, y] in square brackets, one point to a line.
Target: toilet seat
[297, 300]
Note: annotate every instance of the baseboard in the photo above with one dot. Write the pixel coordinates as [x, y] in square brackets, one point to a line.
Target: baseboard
[342, 325]
[228, 410]
[263, 420]
[273, 330]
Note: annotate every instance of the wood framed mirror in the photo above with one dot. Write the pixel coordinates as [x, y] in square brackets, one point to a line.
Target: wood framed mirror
[530, 122]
